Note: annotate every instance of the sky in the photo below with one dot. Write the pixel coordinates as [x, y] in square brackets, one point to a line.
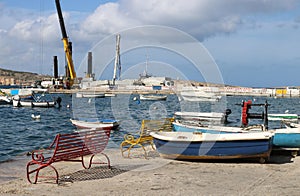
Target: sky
[253, 43]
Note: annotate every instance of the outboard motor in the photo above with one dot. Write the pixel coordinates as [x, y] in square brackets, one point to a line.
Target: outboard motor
[226, 114]
[58, 101]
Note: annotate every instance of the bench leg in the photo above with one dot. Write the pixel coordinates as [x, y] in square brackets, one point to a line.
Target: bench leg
[126, 149]
[91, 161]
[131, 146]
[37, 170]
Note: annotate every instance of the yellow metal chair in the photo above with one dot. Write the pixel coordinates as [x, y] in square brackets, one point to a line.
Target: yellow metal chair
[144, 138]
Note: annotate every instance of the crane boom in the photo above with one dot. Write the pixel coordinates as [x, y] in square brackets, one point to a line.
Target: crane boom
[66, 43]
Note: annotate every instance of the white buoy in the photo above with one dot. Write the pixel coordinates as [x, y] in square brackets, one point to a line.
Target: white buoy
[286, 111]
[134, 98]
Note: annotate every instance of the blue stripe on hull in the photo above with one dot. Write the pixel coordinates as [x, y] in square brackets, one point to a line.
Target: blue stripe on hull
[177, 128]
[288, 140]
[236, 148]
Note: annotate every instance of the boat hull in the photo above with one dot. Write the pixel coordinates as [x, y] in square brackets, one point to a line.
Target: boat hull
[89, 95]
[46, 104]
[220, 148]
[153, 97]
[103, 124]
[199, 96]
[283, 117]
[287, 138]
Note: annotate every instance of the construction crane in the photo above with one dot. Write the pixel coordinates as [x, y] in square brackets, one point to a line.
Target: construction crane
[67, 44]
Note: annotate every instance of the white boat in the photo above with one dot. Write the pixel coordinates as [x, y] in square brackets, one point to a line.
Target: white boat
[107, 124]
[153, 97]
[110, 95]
[283, 117]
[203, 116]
[4, 99]
[32, 103]
[36, 101]
[89, 95]
[198, 95]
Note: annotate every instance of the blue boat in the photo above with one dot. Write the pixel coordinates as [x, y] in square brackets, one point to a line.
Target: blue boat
[283, 138]
[287, 138]
[181, 127]
[197, 145]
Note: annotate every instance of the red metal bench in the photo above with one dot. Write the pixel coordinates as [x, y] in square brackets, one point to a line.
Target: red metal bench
[69, 147]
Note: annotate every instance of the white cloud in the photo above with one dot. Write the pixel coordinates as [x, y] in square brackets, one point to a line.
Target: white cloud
[202, 18]
[25, 33]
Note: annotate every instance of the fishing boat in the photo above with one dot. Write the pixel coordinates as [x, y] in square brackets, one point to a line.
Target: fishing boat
[153, 97]
[35, 101]
[107, 124]
[197, 145]
[199, 96]
[283, 117]
[89, 95]
[203, 116]
[4, 99]
[213, 129]
[286, 137]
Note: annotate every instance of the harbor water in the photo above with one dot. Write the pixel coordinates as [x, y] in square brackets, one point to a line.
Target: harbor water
[21, 134]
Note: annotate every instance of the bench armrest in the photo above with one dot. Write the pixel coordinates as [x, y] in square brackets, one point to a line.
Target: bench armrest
[38, 156]
[129, 137]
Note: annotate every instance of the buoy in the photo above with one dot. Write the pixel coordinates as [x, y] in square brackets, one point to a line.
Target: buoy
[134, 98]
[68, 106]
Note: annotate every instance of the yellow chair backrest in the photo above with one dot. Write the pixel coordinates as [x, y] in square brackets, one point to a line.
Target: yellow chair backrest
[156, 125]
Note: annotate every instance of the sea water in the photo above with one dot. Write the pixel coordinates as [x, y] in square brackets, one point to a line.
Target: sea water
[21, 134]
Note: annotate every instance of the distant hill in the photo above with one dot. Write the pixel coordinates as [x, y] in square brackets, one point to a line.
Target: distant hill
[20, 76]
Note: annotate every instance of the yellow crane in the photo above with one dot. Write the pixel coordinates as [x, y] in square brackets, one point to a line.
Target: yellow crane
[67, 45]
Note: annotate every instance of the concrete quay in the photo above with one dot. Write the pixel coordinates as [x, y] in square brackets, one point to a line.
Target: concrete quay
[170, 91]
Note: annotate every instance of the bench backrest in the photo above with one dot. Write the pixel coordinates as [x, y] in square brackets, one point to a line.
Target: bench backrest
[81, 143]
[156, 125]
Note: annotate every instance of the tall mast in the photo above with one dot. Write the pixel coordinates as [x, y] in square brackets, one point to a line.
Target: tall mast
[117, 65]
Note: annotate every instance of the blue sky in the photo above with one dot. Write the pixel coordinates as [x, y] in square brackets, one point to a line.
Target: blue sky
[252, 42]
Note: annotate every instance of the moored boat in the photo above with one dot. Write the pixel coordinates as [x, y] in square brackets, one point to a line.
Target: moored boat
[89, 95]
[181, 127]
[283, 117]
[199, 96]
[18, 102]
[107, 124]
[197, 145]
[210, 117]
[4, 99]
[287, 138]
[153, 97]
